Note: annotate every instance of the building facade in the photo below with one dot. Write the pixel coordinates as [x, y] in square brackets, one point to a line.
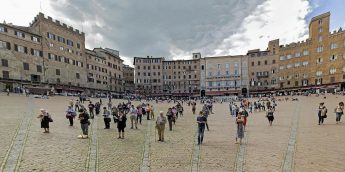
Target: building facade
[21, 56]
[224, 75]
[104, 71]
[316, 62]
[128, 77]
[148, 75]
[63, 53]
[263, 68]
[182, 77]
[50, 54]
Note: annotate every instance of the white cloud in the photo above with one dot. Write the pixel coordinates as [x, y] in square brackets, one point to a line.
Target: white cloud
[270, 20]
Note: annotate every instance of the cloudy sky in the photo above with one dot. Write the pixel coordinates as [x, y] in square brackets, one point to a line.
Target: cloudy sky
[177, 28]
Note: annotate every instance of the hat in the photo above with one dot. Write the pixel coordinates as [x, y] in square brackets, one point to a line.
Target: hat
[161, 112]
[43, 110]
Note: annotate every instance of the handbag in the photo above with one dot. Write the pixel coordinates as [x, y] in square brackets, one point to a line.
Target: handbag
[50, 120]
[325, 116]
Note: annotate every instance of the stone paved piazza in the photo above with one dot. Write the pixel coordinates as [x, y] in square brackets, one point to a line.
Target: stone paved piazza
[294, 143]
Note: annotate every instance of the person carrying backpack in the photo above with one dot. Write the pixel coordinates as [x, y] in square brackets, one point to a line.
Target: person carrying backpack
[322, 113]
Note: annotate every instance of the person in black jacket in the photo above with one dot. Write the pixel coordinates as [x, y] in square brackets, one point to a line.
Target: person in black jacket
[84, 122]
[121, 125]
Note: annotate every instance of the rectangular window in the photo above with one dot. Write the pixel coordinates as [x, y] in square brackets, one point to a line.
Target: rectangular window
[282, 58]
[305, 52]
[20, 48]
[35, 39]
[39, 68]
[36, 53]
[320, 39]
[26, 66]
[209, 74]
[3, 29]
[218, 66]
[5, 45]
[50, 35]
[334, 46]
[4, 62]
[19, 34]
[5, 74]
[70, 43]
[319, 49]
[57, 72]
[61, 39]
[77, 75]
[78, 45]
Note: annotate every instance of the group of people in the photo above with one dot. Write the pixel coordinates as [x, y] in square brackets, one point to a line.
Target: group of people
[322, 112]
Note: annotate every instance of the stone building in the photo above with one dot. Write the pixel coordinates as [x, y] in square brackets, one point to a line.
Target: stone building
[148, 75]
[104, 71]
[51, 55]
[224, 75]
[316, 62]
[63, 53]
[263, 68]
[182, 77]
[21, 56]
[128, 77]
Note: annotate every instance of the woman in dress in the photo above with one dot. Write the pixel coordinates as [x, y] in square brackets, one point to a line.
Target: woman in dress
[270, 115]
[240, 127]
[121, 125]
[45, 119]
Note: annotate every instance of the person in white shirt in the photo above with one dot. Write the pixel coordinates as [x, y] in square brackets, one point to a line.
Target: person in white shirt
[133, 117]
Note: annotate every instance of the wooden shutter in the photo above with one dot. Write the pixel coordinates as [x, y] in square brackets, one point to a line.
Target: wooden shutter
[41, 53]
[5, 29]
[32, 38]
[23, 35]
[15, 33]
[15, 47]
[8, 45]
[38, 39]
[25, 50]
[32, 51]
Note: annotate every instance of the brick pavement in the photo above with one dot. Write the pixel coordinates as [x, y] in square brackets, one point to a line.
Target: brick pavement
[13, 109]
[121, 155]
[59, 150]
[218, 153]
[317, 147]
[176, 152]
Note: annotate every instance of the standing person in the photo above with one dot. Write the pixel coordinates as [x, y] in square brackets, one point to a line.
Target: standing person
[322, 113]
[91, 107]
[97, 108]
[84, 122]
[45, 119]
[76, 106]
[170, 117]
[70, 115]
[8, 91]
[148, 111]
[339, 111]
[121, 125]
[109, 105]
[270, 115]
[193, 107]
[107, 119]
[175, 113]
[115, 113]
[133, 117]
[240, 128]
[139, 114]
[71, 103]
[201, 120]
[244, 114]
[160, 125]
[180, 109]
[152, 112]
